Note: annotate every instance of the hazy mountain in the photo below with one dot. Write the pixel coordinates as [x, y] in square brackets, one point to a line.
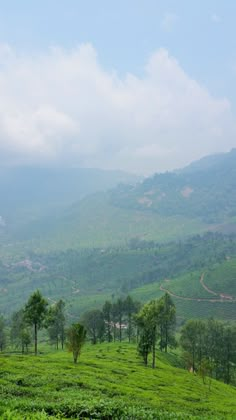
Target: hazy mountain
[162, 207]
[209, 162]
[29, 193]
[206, 190]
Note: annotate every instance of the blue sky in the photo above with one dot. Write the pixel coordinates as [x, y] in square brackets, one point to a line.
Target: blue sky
[199, 39]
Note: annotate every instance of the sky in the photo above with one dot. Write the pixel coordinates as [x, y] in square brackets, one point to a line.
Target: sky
[141, 86]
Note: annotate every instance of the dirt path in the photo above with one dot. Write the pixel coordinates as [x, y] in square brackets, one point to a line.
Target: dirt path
[205, 287]
[221, 297]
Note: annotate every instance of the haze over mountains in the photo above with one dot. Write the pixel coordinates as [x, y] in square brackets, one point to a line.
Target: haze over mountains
[98, 208]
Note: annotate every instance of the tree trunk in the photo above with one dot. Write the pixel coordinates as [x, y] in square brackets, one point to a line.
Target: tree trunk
[146, 359]
[129, 328]
[154, 350]
[166, 337]
[120, 330]
[62, 340]
[35, 340]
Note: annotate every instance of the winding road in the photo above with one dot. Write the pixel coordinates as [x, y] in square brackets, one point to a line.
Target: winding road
[221, 297]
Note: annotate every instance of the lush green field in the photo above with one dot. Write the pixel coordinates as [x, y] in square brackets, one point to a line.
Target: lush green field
[222, 279]
[85, 278]
[109, 382]
[95, 222]
[190, 297]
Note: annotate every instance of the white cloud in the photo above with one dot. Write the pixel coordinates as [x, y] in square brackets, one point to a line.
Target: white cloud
[62, 107]
[2, 222]
[168, 21]
[215, 18]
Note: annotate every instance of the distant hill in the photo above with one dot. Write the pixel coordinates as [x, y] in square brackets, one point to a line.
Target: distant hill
[209, 162]
[163, 207]
[30, 195]
[205, 190]
[199, 273]
[83, 208]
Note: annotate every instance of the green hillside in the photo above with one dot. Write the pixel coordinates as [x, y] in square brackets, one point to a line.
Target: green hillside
[53, 209]
[109, 382]
[207, 193]
[85, 278]
[222, 279]
[210, 292]
[33, 198]
[162, 208]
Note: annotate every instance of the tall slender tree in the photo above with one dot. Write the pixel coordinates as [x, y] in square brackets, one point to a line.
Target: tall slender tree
[20, 333]
[94, 324]
[2, 333]
[147, 321]
[167, 321]
[130, 309]
[107, 316]
[76, 336]
[56, 323]
[35, 312]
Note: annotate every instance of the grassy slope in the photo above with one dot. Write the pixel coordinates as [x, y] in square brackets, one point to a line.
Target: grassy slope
[85, 279]
[109, 379]
[222, 279]
[94, 222]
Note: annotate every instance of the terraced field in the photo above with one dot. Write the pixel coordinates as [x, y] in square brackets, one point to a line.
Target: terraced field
[211, 293]
[222, 279]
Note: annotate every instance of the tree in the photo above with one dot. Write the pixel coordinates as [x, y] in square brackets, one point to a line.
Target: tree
[56, 323]
[145, 343]
[2, 334]
[189, 341]
[167, 322]
[147, 321]
[118, 313]
[130, 308]
[94, 324]
[107, 315]
[35, 312]
[20, 334]
[229, 353]
[76, 336]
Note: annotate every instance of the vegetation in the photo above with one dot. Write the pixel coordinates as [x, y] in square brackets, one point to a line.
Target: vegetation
[86, 278]
[35, 313]
[212, 344]
[208, 194]
[110, 382]
[56, 323]
[76, 335]
[20, 334]
[156, 320]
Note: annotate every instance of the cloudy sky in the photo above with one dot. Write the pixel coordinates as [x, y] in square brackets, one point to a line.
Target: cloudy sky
[143, 86]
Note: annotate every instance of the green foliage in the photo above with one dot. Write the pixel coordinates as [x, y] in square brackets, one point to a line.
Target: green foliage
[147, 321]
[20, 334]
[156, 320]
[221, 278]
[86, 278]
[94, 324]
[208, 194]
[108, 383]
[210, 345]
[35, 312]
[76, 335]
[2, 334]
[167, 322]
[56, 323]
[107, 316]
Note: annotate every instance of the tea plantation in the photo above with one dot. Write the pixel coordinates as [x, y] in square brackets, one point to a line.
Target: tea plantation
[109, 382]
